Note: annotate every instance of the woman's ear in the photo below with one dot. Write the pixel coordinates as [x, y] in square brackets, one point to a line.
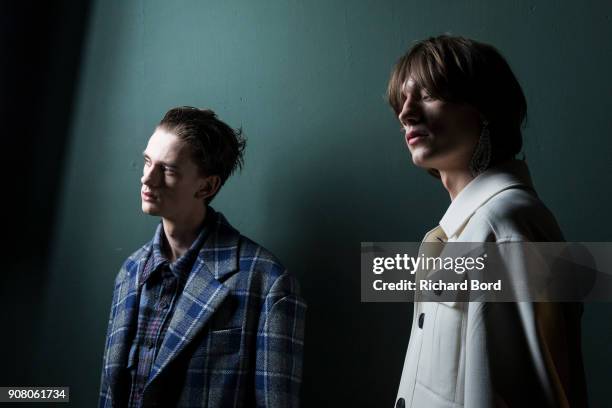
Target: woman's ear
[209, 187]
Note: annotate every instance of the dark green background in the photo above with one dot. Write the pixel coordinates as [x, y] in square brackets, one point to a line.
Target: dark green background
[326, 166]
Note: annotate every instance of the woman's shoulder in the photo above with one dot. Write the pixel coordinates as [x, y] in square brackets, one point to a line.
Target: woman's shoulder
[514, 214]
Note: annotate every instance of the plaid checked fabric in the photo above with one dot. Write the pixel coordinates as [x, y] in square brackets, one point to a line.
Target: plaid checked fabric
[162, 283]
[235, 338]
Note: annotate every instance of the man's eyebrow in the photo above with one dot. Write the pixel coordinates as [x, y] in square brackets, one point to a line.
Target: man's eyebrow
[169, 165]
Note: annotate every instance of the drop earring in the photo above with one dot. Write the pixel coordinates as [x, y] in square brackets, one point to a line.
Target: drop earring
[481, 159]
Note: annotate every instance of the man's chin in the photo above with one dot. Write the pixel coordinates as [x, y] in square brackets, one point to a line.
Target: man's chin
[149, 209]
[419, 161]
[424, 159]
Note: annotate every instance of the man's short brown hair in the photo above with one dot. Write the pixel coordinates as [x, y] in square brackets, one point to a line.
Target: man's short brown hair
[216, 148]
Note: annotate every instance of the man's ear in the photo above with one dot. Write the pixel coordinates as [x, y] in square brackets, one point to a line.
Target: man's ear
[209, 187]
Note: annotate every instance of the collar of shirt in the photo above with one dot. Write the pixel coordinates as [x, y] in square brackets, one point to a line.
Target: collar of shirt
[482, 189]
[182, 266]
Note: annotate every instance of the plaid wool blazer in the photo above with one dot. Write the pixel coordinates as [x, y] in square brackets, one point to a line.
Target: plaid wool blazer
[235, 338]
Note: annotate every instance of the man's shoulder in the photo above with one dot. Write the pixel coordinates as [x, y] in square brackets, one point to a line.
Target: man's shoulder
[250, 253]
[254, 259]
[139, 254]
[264, 270]
[258, 266]
[130, 265]
[250, 250]
[519, 212]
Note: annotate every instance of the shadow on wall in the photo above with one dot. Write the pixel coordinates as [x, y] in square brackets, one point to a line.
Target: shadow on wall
[354, 351]
[41, 47]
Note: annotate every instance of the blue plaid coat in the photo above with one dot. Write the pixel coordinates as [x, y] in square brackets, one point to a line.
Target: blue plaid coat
[235, 338]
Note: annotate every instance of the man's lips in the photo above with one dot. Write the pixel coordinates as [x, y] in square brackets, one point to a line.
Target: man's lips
[147, 196]
[414, 136]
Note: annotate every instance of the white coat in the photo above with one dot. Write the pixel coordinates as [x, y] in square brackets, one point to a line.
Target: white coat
[475, 354]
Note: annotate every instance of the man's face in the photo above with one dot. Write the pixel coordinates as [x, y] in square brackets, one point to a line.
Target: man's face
[171, 183]
[439, 134]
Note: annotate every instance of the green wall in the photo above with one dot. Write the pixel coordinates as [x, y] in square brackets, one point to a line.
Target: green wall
[326, 166]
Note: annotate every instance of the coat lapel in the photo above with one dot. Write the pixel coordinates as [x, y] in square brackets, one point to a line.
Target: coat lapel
[203, 292]
[122, 329]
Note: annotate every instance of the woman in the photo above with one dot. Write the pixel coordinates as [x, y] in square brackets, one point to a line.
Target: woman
[461, 110]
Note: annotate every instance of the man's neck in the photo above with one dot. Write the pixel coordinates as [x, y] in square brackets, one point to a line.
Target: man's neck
[180, 235]
[455, 180]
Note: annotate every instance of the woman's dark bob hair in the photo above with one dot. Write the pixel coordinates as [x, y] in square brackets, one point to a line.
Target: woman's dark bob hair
[460, 70]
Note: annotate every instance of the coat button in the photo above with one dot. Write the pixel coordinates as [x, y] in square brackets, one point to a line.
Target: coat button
[421, 320]
[400, 403]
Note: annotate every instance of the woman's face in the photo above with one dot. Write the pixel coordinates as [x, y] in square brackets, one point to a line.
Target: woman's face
[440, 135]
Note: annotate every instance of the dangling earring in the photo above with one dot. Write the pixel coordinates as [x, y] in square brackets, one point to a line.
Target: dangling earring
[482, 153]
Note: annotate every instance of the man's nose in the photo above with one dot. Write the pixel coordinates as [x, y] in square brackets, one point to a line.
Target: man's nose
[411, 111]
[149, 176]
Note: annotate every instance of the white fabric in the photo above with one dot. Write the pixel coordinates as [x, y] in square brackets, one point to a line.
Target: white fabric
[475, 354]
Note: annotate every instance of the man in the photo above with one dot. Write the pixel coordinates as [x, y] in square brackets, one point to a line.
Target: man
[201, 315]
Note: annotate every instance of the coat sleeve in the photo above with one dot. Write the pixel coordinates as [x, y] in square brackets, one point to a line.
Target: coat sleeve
[105, 399]
[531, 355]
[280, 344]
[524, 353]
